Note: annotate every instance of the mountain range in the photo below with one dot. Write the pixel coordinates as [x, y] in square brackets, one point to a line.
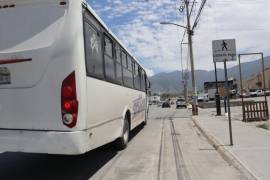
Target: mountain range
[171, 82]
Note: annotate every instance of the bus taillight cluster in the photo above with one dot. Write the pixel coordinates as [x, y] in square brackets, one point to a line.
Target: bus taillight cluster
[69, 101]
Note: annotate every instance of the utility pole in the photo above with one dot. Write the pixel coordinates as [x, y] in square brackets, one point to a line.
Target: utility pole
[190, 34]
[184, 73]
[186, 87]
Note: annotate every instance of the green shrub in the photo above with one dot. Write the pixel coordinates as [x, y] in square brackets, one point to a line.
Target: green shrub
[263, 126]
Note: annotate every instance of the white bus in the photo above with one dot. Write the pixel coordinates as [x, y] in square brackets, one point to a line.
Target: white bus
[67, 85]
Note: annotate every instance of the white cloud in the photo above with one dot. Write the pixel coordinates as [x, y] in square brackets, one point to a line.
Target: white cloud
[244, 20]
[158, 46]
[149, 72]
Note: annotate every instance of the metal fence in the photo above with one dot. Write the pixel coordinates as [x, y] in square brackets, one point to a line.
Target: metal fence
[255, 111]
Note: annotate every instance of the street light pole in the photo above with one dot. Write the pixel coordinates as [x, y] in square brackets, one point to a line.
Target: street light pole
[190, 34]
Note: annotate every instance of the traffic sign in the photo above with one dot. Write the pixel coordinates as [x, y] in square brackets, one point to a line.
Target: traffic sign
[224, 50]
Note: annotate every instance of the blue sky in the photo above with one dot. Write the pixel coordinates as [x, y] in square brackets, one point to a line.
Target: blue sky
[137, 24]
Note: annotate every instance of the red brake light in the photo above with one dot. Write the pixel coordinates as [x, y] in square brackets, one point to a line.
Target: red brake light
[68, 105]
[69, 101]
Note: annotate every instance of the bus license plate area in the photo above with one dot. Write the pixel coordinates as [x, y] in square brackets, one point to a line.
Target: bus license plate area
[4, 76]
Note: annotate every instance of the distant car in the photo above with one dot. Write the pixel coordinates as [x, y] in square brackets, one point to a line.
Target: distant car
[166, 105]
[212, 94]
[233, 91]
[181, 103]
[253, 94]
[200, 99]
[245, 94]
[260, 92]
[257, 93]
[203, 98]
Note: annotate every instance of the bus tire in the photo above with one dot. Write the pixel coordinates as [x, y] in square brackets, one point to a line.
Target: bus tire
[122, 142]
[145, 122]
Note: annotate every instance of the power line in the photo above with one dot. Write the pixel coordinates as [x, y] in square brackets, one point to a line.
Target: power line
[198, 15]
[183, 36]
[192, 7]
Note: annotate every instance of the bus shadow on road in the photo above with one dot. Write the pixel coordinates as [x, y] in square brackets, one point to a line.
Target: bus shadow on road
[43, 167]
[58, 167]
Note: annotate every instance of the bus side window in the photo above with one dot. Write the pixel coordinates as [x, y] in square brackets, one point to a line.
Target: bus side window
[94, 59]
[137, 77]
[127, 72]
[108, 57]
[143, 88]
[133, 72]
[118, 66]
[129, 63]
[130, 73]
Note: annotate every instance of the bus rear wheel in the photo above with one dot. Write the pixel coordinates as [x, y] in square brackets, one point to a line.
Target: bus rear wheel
[122, 142]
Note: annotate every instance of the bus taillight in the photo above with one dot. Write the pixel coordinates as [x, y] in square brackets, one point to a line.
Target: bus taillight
[69, 101]
[70, 106]
[67, 92]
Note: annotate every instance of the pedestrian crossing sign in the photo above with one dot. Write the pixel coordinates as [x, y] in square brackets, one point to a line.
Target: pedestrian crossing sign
[224, 50]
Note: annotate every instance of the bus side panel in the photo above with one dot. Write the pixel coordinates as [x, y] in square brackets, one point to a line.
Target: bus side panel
[107, 105]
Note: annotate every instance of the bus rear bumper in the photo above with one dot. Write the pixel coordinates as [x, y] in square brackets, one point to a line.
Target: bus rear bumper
[47, 142]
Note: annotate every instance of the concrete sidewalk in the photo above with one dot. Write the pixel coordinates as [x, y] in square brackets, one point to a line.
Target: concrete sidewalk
[251, 150]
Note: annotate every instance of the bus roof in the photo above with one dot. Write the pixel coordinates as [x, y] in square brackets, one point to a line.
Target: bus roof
[111, 33]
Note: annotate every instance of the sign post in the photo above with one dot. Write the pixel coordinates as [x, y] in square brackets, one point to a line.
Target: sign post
[224, 51]
[217, 95]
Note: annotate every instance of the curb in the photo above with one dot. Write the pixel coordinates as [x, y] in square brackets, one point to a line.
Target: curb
[225, 153]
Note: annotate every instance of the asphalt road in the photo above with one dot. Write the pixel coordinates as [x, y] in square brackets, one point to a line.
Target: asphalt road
[168, 148]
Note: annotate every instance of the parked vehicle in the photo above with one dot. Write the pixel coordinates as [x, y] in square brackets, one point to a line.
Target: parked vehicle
[166, 104]
[211, 94]
[253, 94]
[244, 95]
[181, 103]
[233, 93]
[260, 92]
[257, 93]
[203, 97]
